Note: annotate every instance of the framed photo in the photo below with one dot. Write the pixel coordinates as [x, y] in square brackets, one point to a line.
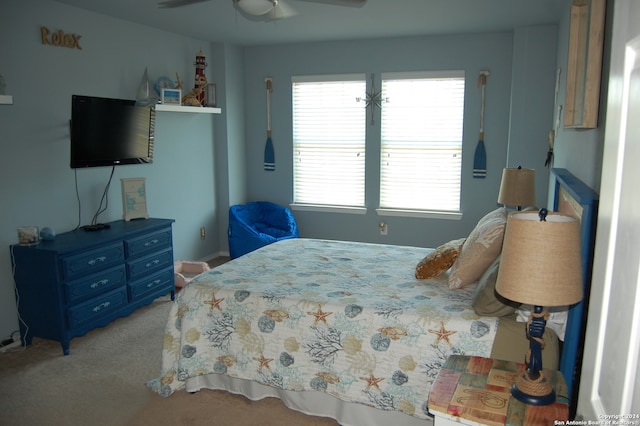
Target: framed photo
[210, 99]
[172, 96]
[134, 199]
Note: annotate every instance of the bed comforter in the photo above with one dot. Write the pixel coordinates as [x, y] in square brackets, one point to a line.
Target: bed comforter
[349, 319]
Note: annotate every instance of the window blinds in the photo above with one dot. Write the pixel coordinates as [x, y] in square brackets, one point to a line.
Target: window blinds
[329, 126]
[421, 140]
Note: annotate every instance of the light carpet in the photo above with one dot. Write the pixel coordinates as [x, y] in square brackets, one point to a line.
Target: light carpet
[103, 382]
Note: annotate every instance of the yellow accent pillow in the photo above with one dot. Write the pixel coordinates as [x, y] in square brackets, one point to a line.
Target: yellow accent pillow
[481, 248]
[439, 260]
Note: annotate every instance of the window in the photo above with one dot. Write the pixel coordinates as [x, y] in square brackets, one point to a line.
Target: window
[421, 141]
[329, 126]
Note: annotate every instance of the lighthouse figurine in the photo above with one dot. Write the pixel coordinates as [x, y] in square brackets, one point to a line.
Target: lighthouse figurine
[197, 96]
[200, 87]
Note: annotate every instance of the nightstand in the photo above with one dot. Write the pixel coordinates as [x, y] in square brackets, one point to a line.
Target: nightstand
[473, 390]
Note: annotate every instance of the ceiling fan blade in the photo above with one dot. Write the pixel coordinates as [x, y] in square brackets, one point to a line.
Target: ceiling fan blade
[348, 3]
[280, 10]
[177, 3]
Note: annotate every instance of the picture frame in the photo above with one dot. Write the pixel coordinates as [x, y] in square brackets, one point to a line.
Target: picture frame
[172, 96]
[134, 199]
[210, 96]
[584, 64]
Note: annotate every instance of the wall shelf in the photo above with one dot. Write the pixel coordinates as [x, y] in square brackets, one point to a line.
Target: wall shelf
[6, 100]
[181, 108]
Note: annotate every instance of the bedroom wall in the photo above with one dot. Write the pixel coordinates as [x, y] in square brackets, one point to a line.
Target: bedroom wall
[37, 187]
[494, 52]
[580, 150]
[534, 73]
[230, 165]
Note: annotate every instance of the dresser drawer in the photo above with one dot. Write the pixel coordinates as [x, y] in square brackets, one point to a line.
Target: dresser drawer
[149, 264]
[160, 280]
[93, 285]
[92, 261]
[97, 307]
[148, 243]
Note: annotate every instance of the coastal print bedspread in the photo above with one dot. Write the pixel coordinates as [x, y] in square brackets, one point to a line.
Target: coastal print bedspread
[345, 318]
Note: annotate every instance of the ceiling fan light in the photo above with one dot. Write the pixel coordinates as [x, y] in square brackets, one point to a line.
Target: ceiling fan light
[256, 7]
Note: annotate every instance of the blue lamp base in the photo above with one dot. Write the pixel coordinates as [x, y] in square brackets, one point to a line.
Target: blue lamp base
[528, 396]
[533, 387]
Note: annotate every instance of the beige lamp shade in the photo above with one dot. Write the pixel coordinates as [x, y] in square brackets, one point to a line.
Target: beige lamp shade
[518, 187]
[541, 263]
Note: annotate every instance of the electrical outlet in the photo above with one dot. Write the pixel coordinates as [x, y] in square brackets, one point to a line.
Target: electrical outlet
[203, 234]
[384, 229]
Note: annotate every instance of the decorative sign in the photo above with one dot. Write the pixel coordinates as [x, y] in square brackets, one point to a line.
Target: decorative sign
[60, 38]
[134, 199]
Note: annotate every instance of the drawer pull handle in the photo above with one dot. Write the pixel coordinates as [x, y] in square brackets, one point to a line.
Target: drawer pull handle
[153, 283]
[151, 243]
[96, 260]
[99, 283]
[101, 306]
[152, 263]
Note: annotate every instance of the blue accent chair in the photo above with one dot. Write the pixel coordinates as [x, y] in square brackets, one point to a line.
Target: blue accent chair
[257, 224]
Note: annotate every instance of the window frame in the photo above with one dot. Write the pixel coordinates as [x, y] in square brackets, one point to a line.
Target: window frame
[335, 208]
[417, 212]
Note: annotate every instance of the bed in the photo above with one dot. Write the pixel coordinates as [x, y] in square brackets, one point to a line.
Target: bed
[352, 331]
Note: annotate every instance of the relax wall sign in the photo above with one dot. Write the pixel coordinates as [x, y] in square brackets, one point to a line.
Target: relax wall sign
[60, 38]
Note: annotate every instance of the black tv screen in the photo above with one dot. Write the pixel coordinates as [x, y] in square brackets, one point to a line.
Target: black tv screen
[107, 132]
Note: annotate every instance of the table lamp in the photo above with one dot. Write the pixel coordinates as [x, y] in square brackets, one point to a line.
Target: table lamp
[540, 266]
[517, 187]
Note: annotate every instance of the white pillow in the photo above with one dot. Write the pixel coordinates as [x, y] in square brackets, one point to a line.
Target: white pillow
[480, 249]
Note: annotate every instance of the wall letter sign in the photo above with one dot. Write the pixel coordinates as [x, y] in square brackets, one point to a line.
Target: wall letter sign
[60, 38]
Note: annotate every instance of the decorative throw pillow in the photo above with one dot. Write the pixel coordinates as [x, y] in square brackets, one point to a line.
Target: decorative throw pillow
[439, 260]
[481, 248]
[486, 302]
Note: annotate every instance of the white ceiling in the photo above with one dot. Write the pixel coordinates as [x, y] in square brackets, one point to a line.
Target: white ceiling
[218, 21]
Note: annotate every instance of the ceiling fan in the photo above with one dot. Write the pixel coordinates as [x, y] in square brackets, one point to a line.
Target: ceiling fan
[264, 10]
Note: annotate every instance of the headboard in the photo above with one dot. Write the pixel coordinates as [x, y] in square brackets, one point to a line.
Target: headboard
[572, 197]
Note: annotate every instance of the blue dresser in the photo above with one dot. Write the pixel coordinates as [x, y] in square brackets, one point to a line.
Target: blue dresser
[82, 280]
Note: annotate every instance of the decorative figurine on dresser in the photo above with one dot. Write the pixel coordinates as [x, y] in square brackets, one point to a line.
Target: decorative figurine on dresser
[78, 281]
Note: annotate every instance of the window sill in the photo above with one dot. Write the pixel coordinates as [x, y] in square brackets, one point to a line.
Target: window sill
[328, 209]
[420, 213]
[381, 212]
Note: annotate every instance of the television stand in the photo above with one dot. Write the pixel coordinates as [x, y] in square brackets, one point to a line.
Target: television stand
[96, 227]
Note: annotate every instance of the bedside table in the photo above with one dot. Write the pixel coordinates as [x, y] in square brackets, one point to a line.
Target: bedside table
[472, 390]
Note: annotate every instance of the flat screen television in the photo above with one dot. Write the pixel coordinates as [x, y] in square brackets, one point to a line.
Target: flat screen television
[108, 132]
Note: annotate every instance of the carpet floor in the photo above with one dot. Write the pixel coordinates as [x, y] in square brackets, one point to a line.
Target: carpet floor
[103, 382]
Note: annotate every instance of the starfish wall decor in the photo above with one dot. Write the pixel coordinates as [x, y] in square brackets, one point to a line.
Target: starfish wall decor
[373, 99]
